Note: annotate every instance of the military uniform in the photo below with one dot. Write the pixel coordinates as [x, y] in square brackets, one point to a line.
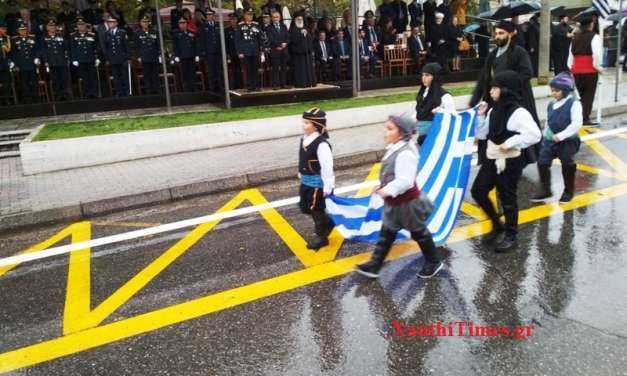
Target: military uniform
[248, 43]
[116, 51]
[23, 54]
[235, 62]
[210, 40]
[84, 53]
[184, 43]
[148, 51]
[54, 54]
[5, 71]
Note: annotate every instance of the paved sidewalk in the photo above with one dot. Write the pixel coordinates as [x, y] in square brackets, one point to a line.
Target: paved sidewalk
[92, 190]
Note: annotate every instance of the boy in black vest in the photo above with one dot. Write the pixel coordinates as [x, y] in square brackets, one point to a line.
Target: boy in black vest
[404, 207]
[561, 138]
[315, 170]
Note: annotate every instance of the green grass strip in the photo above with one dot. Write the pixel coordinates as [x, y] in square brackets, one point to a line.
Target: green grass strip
[57, 131]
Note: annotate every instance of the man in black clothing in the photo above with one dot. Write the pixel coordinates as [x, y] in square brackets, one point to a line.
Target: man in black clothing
[533, 42]
[438, 42]
[416, 13]
[278, 38]
[93, 14]
[507, 56]
[560, 43]
[324, 56]
[400, 16]
[233, 58]
[342, 54]
[12, 17]
[175, 14]
[417, 47]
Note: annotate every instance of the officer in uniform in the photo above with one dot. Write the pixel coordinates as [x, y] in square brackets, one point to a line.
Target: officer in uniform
[210, 39]
[248, 44]
[54, 54]
[233, 58]
[84, 54]
[184, 42]
[24, 55]
[5, 69]
[117, 53]
[148, 55]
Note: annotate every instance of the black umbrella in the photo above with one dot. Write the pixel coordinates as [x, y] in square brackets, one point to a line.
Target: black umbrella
[487, 15]
[558, 10]
[586, 13]
[515, 8]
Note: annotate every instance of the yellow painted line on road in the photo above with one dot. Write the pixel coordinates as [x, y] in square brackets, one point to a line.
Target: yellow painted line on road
[105, 334]
[616, 163]
[473, 210]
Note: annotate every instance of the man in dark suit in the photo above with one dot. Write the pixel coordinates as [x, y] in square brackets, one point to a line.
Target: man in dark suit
[417, 46]
[324, 56]
[401, 18]
[366, 56]
[210, 41]
[373, 34]
[278, 38]
[341, 48]
[117, 53]
[416, 13]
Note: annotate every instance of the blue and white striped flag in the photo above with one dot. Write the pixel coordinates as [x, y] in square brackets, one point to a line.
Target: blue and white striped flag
[445, 159]
[603, 7]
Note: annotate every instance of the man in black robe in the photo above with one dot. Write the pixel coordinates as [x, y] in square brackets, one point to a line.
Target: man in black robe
[301, 49]
[533, 43]
[439, 42]
[507, 56]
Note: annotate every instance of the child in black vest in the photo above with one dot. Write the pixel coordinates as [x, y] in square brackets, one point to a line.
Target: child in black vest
[404, 207]
[315, 170]
[430, 99]
[561, 138]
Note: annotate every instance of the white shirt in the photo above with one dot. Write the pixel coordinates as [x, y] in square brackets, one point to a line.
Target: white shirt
[447, 102]
[597, 54]
[405, 169]
[576, 118]
[522, 122]
[325, 158]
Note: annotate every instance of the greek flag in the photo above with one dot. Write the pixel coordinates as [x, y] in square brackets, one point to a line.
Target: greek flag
[445, 159]
[603, 7]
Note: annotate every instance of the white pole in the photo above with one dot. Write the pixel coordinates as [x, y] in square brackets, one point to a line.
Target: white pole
[618, 50]
[599, 96]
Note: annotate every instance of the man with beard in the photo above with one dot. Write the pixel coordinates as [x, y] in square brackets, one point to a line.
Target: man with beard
[508, 129]
[560, 42]
[507, 56]
[301, 48]
[438, 42]
[585, 62]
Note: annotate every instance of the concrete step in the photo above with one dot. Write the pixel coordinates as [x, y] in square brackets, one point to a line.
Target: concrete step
[12, 145]
[9, 154]
[15, 135]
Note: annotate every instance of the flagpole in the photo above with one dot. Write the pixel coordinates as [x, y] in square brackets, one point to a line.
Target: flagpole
[618, 50]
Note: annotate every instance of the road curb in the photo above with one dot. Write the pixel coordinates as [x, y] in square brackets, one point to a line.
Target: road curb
[110, 205]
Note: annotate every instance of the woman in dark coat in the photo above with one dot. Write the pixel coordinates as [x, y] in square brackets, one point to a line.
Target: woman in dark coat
[456, 35]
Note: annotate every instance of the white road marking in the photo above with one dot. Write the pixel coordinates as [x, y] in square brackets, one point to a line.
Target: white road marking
[18, 259]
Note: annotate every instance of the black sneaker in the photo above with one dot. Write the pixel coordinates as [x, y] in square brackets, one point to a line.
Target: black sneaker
[317, 242]
[369, 269]
[429, 269]
[506, 244]
[542, 197]
[566, 197]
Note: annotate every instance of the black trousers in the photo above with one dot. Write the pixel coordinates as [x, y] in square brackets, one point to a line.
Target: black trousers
[252, 71]
[587, 88]
[279, 69]
[87, 73]
[188, 74]
[151, 77]
[506, 184]
[6, 93]
[28, 80]
[236, 63]
[337, 68]
[214, 71]
[120, 76]
[58, 76]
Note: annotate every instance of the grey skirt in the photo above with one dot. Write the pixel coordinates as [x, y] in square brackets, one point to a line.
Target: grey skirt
[411, 216]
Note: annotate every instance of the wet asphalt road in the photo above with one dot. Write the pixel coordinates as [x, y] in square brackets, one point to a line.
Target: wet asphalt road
[567, 281]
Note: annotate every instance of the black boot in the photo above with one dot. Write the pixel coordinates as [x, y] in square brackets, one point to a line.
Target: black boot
[545, 184]
[433, 259]
[568, 173]
[509, 241]
[497, 227]
[371, 268]
[323, 227]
